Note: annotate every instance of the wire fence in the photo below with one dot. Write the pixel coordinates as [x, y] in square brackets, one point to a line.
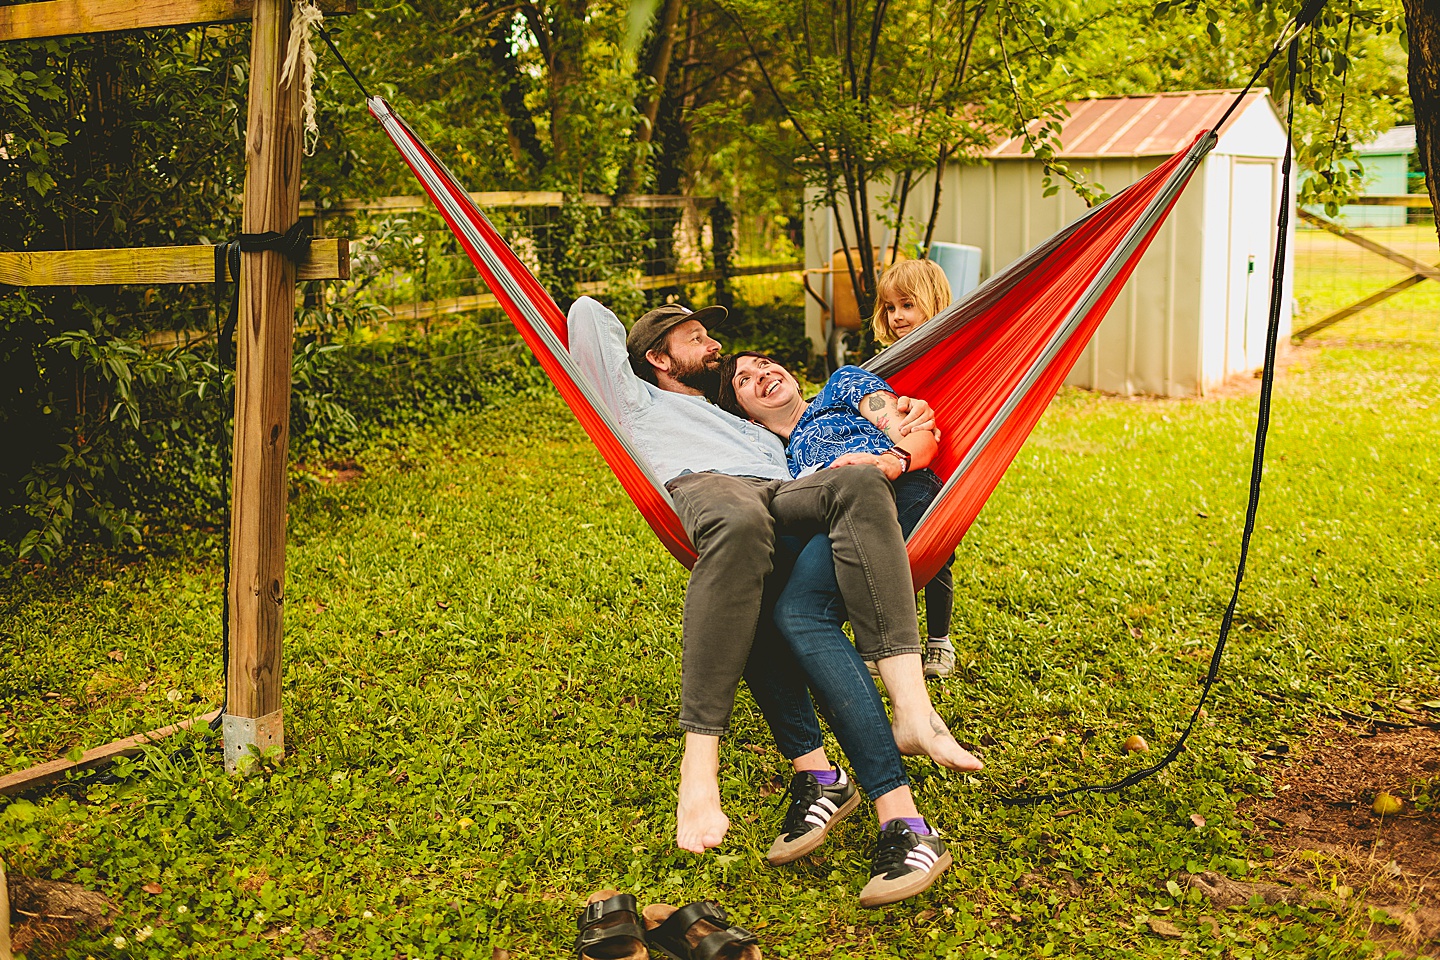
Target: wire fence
[410, 276]
[407, 267]
[1360, 287]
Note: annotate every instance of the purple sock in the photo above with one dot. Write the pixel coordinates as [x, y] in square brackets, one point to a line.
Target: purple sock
[916, 824]
[827, 778]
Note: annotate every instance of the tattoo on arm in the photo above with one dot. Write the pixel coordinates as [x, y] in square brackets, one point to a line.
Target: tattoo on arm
[884, 424]
[877, 401]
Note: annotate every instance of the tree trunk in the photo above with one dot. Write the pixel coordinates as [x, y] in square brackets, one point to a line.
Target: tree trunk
[1422, 22]
[656, 57]
[657, 66]
[567, 74]
[525, 145]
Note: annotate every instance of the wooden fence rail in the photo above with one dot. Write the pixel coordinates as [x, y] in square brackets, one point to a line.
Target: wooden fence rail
[1419, 272]
[428, 309]
[1393, 200]
[329, 260]
[506, 198]
[63, 18]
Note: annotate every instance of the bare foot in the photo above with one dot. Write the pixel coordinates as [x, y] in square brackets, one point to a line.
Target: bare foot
[699, 822]
[936, 742]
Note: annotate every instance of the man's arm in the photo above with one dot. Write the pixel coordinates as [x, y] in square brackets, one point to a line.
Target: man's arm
[882, 409]
[597, 345]
[916, 414]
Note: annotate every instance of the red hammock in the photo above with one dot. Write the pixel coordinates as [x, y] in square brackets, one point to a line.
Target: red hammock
[989, 365]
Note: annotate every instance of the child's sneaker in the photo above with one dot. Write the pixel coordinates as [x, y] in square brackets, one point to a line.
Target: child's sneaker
[939, 659]
[815, 808]
[906, 863]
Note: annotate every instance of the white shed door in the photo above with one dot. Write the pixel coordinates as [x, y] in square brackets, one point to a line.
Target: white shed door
[1252, 215]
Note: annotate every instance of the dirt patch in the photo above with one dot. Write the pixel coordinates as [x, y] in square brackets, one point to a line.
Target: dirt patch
[339, 471]
[47, 914]
[1289, 357]
[1327, 835]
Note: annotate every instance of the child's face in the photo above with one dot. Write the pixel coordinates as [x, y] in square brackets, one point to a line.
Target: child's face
[903, 315]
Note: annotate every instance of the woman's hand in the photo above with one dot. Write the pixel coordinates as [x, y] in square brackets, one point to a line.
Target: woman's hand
[890, 465]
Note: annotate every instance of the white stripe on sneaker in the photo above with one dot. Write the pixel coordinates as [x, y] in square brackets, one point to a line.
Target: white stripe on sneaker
[921, 858]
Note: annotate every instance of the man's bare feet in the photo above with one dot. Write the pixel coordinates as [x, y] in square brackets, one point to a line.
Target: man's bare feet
[700, 823]
[935, 741]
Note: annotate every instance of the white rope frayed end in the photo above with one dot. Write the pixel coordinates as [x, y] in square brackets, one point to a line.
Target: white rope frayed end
[305, 16]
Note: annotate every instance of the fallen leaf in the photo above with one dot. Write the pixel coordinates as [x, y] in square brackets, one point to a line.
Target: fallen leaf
[443, 604]
[1198, 820]
[1136, 744]
[1164, 928]
[116, 655]
[152, 887]
[172, 695]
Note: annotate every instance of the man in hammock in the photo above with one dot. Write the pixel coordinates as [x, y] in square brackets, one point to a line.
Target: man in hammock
[732, 490]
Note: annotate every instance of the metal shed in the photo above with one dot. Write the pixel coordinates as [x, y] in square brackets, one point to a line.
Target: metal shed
[1194, 311]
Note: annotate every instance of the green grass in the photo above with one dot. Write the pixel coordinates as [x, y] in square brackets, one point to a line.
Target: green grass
[482, 650]
[1331, 273]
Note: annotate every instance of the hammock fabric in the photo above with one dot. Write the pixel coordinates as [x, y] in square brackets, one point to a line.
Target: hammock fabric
[989, 365]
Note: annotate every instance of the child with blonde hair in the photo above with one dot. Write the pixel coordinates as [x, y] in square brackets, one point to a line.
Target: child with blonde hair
[910, 293]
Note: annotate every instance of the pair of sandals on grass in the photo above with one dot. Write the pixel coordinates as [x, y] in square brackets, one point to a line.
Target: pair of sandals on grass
[613, 927]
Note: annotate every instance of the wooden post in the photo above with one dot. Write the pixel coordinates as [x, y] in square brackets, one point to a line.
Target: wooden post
[262, 396]
[5, 953]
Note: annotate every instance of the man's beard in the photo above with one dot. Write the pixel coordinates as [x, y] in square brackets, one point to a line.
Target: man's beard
[703, 376]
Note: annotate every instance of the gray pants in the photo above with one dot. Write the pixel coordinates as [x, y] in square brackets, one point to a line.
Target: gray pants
[733, 523]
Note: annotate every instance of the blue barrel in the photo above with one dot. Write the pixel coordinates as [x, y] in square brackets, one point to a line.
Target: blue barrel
[961, 264]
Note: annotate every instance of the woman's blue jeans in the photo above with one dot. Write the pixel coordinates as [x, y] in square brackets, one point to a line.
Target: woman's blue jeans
[810, 615]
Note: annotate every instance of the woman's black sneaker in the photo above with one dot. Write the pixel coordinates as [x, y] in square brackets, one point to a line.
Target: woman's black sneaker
[906, 863]
[814, 809]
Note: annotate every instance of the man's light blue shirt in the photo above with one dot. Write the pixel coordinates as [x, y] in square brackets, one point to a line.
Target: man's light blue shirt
[676, 433]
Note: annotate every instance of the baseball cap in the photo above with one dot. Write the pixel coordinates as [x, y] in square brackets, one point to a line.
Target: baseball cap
[650, 329]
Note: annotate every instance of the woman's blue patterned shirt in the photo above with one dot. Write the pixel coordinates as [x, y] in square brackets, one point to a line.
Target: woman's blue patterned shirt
[833, 426]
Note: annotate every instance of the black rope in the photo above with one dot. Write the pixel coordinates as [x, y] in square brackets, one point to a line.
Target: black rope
[325, 35]
[1257, 467]
[227, 265]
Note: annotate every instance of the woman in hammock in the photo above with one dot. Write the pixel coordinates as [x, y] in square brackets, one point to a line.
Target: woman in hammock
[854, 420]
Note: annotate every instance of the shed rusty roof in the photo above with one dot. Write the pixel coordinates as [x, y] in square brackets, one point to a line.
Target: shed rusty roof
[1158, 124]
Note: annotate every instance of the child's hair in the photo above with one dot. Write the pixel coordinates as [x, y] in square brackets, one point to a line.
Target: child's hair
[919, 280]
